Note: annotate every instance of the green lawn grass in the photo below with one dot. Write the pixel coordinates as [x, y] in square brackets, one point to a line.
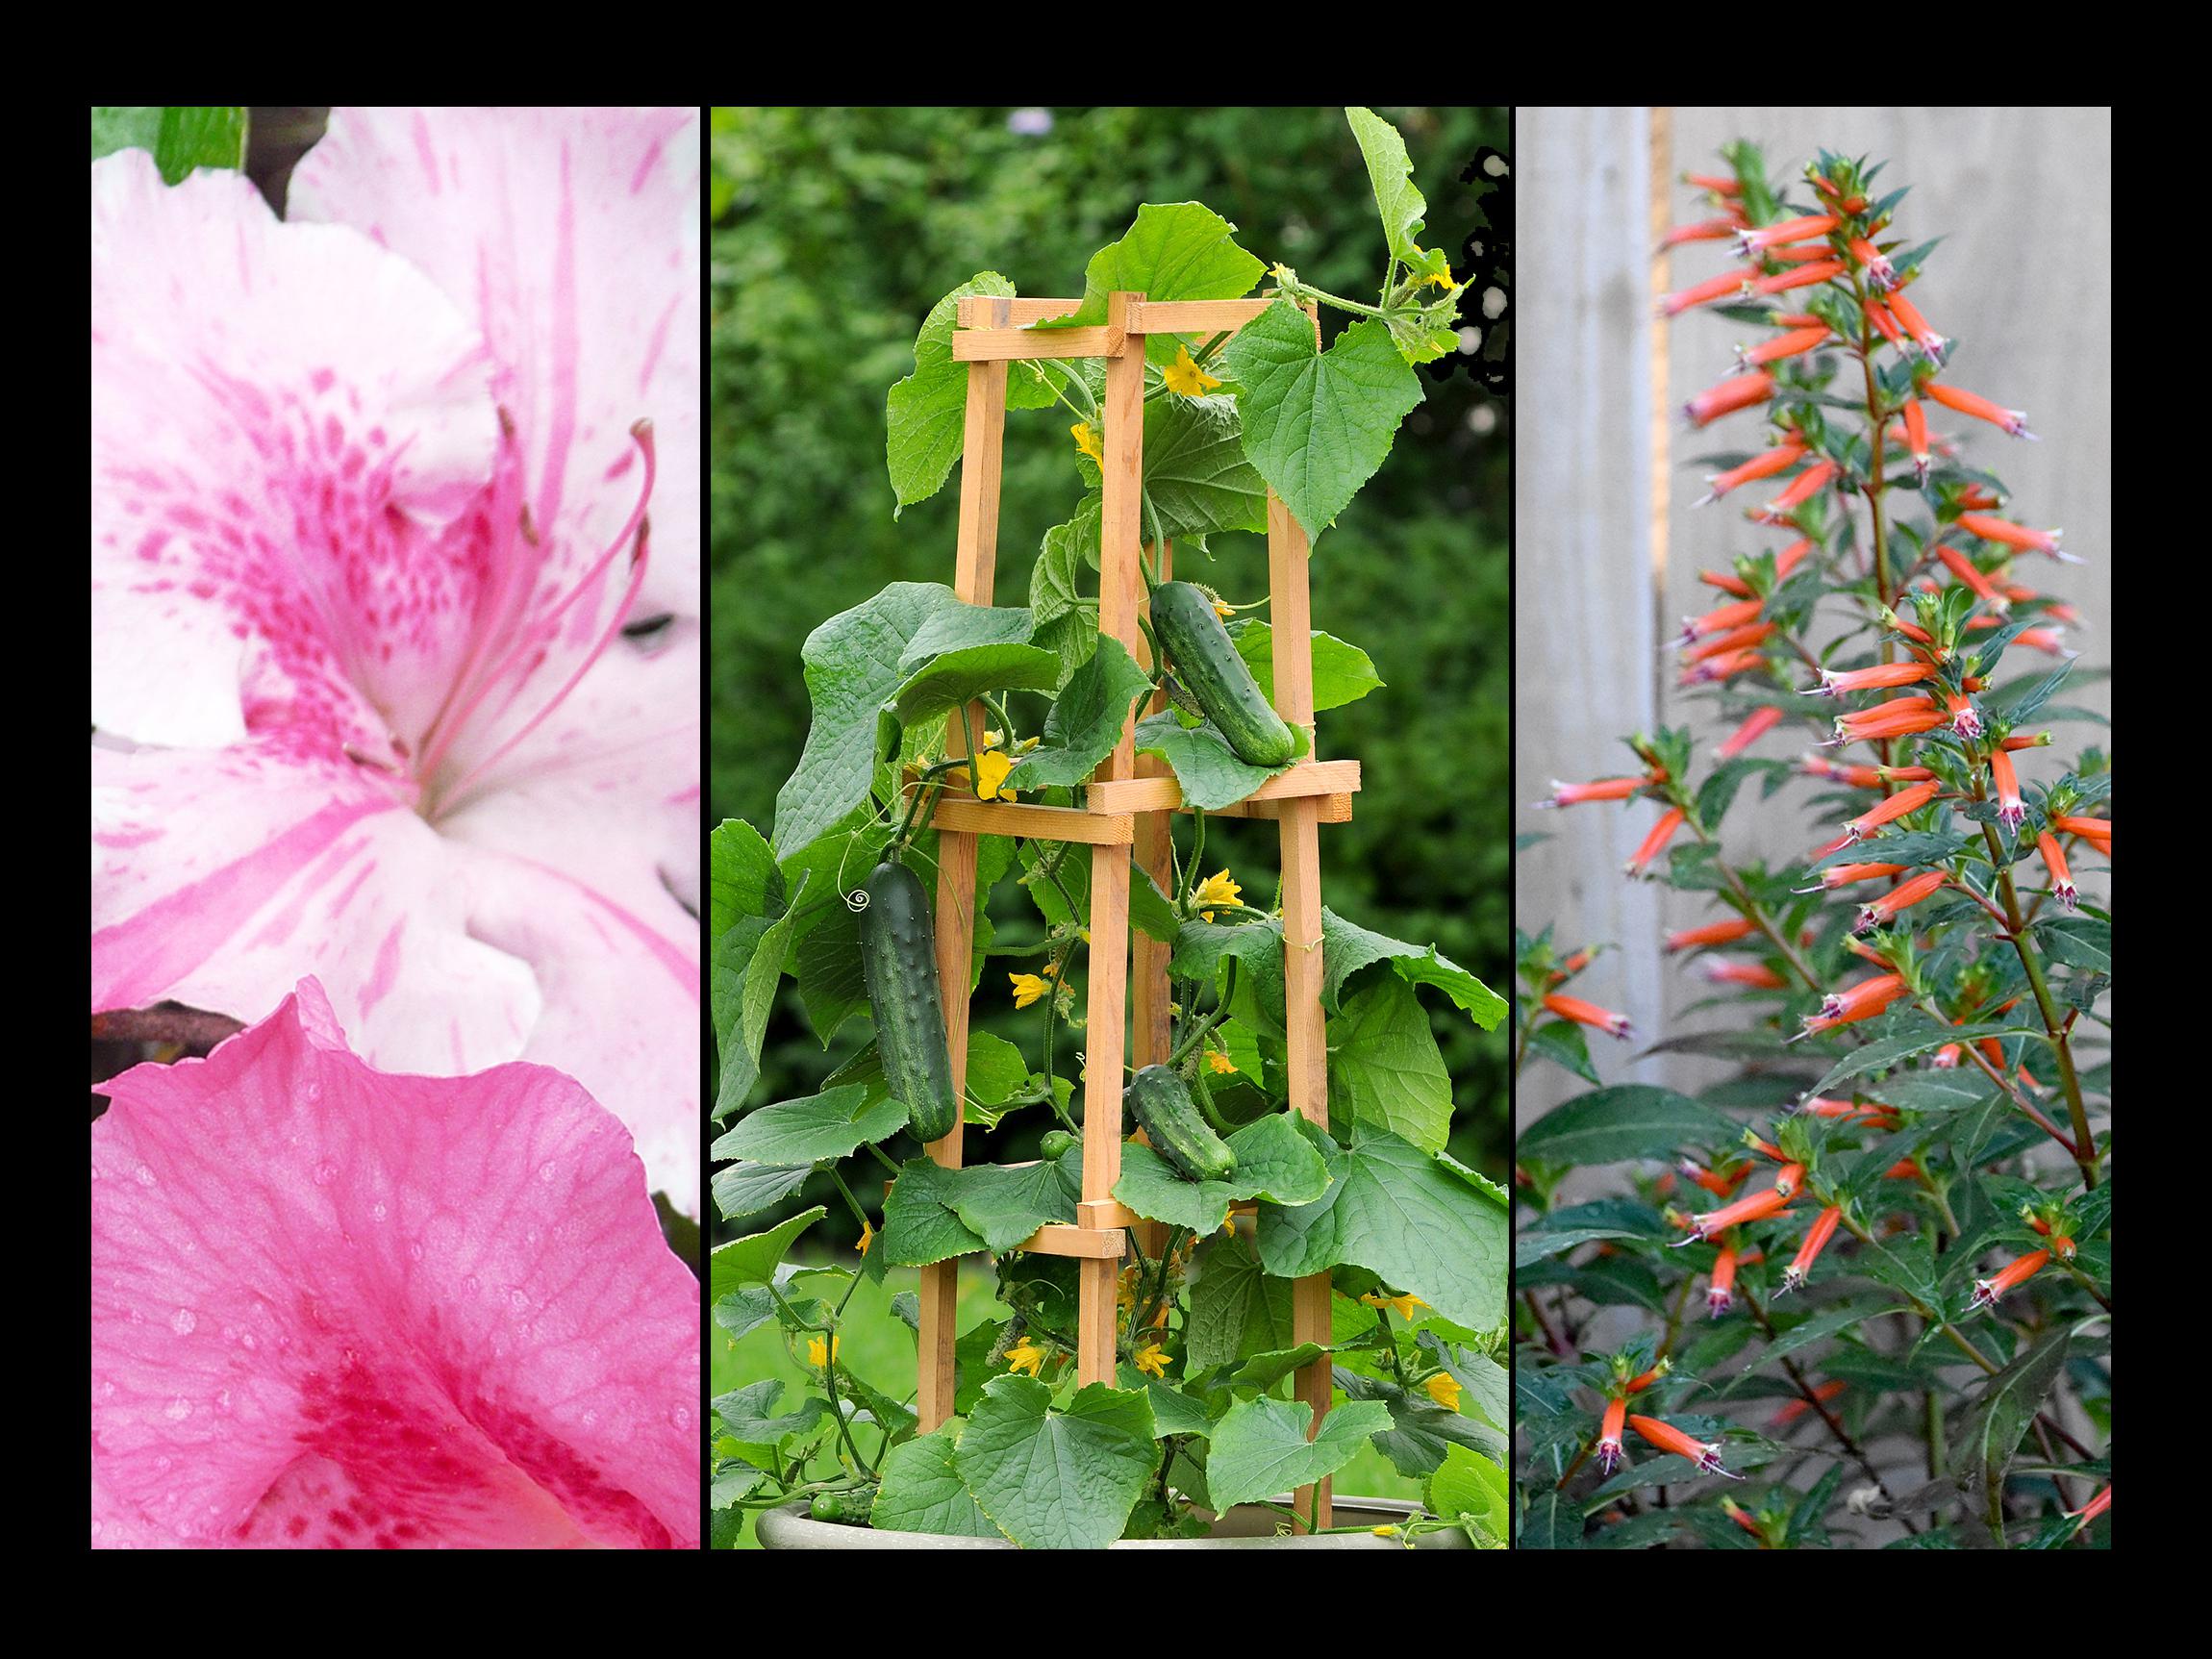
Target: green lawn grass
[876, 1345]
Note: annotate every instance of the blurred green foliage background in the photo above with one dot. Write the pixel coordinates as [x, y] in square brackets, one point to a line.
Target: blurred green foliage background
[834, 230]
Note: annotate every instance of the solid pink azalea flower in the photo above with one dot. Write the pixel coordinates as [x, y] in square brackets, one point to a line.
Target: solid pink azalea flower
[394, 617]
[336, 1308]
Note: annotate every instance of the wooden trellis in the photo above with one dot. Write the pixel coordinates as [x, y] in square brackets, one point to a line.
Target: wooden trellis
[1124, 818]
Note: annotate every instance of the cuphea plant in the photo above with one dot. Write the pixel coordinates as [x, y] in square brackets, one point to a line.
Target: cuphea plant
[1909, 1241]
[1415, 1240]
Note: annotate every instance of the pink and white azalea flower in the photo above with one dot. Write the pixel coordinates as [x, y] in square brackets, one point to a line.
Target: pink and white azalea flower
[394, 598]
[337, 1308]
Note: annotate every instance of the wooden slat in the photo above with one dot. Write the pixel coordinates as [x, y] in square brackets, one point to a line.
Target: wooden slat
[976, 574]
[1163, 795]
[1334, 809]
[1102, 1214]
[1207, 317]
[1021, 345]
[1306, 1059]
[988, 311]
[1120, 507]
[1097, 1246]
[963, 812]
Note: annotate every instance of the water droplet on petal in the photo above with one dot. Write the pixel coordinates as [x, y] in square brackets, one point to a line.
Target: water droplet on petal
[178, 1410]
[381, 1211]
[184, 1321]
[145, 1176]
[547, 1170]
[681, 1417]
[325, 1173]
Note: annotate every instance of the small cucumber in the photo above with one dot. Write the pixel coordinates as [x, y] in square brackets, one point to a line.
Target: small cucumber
[1160, 1103]
[1056, 1146]
[1206, 661]
[898, 963]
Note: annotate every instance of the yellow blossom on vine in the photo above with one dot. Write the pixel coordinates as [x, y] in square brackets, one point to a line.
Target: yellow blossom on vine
[1403, 1305]
[817, 1356]
[1443, 1388]
[991, 770]
[1216, 889]
[1051, 970]
[1027, 989]
[867, 1235]
[1151, 1358]
[1224, 609]
[1440, 279]
[1384, 1531]
[1024, 1356]
[1086, 438]
[1185, 378]
[1216, 1061]
[994, 739]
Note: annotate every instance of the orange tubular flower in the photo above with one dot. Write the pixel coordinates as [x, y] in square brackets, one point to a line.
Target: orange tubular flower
[2054, 860]
[2010, 812]
[1720, 1185]
[1731, 639]
[1726, 667]
[1757, 975]
[2095, 1507]
[1899, 717]
[1655, 842]
[1792, 1410]
[1841, 771]
[1757, 726]
[1804, 276]
[1881, 677]
[1739, 392]
[1885, 324]
[1726, 583]
[1590, 1014]
[1668, 1438]
[1609, 1434]
[1703, 231]
[1862, 1001]
[1916, 325]
[1880, 271]
[2096, 832]
[1795, 344]
[1720, 1292]
[1916, 437]
[1720, 620]
[1783, 232]
[2012, 420]
[1714, 183]
[1757, 1207]
[1780, 458]
[1603, 790]
[2013, 535]
[1728, 285]
[1712, 933]
[1965, 569]
[1817, 1238]
[1803, 489]
[1902, 896]
[1906, 801]
[2018, 1271]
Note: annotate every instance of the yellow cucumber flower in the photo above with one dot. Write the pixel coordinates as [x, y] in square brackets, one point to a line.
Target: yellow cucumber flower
[1216, 889]
[1185, 378]
[1403, 1305]
[867, 1235]
[991, 770]
[1151, 1358]
[1027, 989]
[1086, 438]
[1024, 1356]
[1443, 1388]
[817, 1356]
[1216, 1061]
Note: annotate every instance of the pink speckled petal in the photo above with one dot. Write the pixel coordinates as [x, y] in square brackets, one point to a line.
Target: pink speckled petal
[292, 433]
[334, 1308]
[574, 236]
[219, 878]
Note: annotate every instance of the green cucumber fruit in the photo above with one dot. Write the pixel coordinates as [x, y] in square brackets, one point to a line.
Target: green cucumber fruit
[1206, 661]
[898, 963]
[1160, 1102]
[1056, 1146]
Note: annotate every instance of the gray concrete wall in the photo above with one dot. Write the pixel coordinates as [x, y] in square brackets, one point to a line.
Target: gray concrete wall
[2023, 280]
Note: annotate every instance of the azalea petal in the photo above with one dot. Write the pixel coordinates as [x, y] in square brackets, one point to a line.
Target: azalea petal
[289, 427]
[574, 235]
[333, 1308]
[218, 879]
